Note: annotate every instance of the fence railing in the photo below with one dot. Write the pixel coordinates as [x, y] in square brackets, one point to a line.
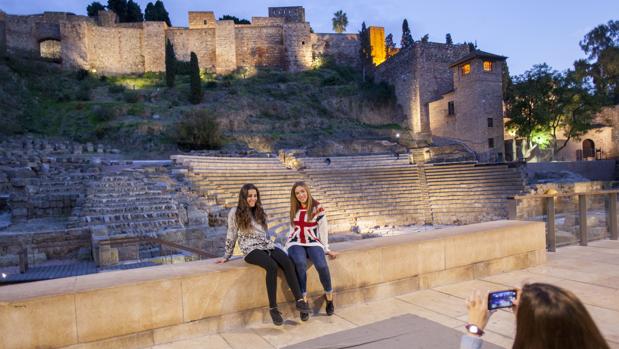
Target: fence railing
[549, 201]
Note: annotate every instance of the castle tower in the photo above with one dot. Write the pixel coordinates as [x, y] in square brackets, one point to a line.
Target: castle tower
[296, 37]
[377, 44]
[107, 18]
[477, 105]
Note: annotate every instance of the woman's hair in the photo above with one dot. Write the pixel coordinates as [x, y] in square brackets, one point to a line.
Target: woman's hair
[245, 214]
[551, 317]
[295, 205]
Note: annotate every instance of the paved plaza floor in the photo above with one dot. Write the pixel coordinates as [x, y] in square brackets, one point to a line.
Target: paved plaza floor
[432, 315]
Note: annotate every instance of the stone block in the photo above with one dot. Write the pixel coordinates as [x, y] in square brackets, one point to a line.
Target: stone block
[40, 323]
[112, 312]
[445, 277]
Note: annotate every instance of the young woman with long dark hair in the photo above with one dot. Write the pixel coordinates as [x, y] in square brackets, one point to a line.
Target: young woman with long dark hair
[247, 223]
[547, 316]
[309, 238]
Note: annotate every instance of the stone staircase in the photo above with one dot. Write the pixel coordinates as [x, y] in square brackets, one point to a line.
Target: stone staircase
[372, 190]
[127, 205]
[221, 178]
[363, 192]
[470, 193]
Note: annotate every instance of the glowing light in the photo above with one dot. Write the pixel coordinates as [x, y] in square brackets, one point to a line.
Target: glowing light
[397, 135]
[94, 71]
[3, 275]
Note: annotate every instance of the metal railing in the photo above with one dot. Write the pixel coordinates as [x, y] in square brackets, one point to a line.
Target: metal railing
[583, 233]
[147, 239]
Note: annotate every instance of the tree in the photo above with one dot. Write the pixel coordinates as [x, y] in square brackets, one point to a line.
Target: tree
[170, 64]
[548, 109]
[94, 8]
[134, 12]
[389, 46]
[448, 39]
[157, 12]
[339, 21]
[407, 37]
[127, 11]
[365, 51]
[119, 7]
[602, 64]
[235, 19]
[425, 38]
[195, 82]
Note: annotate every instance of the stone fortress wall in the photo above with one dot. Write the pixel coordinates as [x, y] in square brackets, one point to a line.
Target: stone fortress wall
[282, 40]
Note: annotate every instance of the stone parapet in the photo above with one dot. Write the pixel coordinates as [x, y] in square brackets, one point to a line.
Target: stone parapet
[141, 308]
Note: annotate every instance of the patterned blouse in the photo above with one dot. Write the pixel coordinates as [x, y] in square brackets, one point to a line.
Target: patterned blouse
[256, 239]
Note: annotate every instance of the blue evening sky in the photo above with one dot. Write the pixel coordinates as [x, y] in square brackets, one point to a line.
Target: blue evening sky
[527, 31]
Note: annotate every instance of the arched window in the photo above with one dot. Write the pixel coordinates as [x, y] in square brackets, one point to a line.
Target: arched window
[588, 149]
[50, 49]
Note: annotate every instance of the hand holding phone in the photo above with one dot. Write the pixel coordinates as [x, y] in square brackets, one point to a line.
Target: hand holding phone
[501, 299]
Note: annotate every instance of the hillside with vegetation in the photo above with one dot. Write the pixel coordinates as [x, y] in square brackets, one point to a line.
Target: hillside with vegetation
[323, 110]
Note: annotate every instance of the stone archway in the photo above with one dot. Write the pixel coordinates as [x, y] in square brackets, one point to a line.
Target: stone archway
[588, 149]
[50, 49]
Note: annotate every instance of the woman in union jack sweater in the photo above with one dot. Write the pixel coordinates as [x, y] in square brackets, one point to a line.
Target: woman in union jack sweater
[309, 238]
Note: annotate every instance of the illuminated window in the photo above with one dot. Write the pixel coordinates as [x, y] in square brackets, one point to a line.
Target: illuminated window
[466, 69]
[487, 66]
[450, 108]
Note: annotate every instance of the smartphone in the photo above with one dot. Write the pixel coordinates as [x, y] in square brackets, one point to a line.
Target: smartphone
[501, 299]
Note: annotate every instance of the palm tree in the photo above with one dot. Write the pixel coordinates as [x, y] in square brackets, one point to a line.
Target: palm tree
[340, 21]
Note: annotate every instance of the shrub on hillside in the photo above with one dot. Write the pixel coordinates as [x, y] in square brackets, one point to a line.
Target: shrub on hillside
[116, 89]
[131, 96]
[82, 94]
[378, 94]
[105, 113]
[198, 130]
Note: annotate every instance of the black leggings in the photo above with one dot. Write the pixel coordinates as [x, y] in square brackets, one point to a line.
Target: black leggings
[270, 260]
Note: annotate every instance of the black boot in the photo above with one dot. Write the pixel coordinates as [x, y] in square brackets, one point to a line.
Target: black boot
[330, 308]
[302, 306]
[276, 316]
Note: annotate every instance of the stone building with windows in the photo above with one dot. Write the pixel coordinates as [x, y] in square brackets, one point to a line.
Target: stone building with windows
[446, 91]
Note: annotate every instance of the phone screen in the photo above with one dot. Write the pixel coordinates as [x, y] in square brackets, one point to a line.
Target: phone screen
[501, 299]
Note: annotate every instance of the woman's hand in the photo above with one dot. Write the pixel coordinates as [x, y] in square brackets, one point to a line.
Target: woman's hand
[477, 306]
[331, 254]
[221, 260]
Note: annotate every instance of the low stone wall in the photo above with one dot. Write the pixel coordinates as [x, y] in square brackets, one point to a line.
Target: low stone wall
[140, 308]
[599, 170]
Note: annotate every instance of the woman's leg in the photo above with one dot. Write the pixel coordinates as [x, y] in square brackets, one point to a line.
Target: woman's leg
[261, 258]
[291, 277]
[299, 257]
[317, 255]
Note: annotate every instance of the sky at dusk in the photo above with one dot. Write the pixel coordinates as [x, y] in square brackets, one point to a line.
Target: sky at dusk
[527, 31]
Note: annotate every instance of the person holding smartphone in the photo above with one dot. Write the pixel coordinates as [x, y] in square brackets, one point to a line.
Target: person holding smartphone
[247, 223]
[547, 316]
[309, 238]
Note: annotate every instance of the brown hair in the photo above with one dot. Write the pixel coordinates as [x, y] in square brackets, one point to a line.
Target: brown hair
[295, 205]
[551, 317]
[245, 214]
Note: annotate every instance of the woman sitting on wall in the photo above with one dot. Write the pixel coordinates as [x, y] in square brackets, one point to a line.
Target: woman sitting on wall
[546, 317]
[248, 223]
[309, 238]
